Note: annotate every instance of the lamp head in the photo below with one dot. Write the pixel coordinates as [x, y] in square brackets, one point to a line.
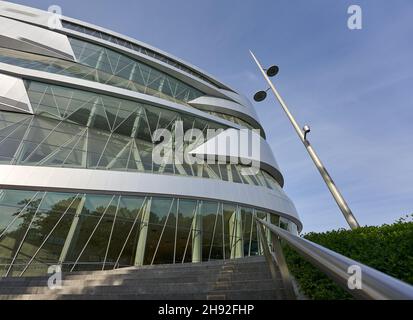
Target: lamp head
[272, 71]
[306, 130]
[260, 96]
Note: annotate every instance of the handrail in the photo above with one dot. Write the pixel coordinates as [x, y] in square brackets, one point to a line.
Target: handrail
[275, 259]
[374, 284]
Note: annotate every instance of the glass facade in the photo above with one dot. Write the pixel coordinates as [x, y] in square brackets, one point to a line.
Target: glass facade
[79, 129]
[97, 232]
[89, 220]
[109, 67]
[135, 47]
[41, 141]
[143, 78]
[105, 66]
[108, 113]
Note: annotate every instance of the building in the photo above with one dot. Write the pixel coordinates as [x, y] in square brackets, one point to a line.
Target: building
[79, 105]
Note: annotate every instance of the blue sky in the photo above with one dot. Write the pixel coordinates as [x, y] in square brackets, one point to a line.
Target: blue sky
[353, 87]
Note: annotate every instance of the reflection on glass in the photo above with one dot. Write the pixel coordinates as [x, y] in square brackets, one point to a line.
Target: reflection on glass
[47, 141]
[95, 232]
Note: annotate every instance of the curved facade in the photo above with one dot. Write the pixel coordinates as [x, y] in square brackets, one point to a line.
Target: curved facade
[80, 110]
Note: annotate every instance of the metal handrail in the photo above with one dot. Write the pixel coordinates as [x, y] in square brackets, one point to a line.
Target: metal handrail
[276, 259]
[374, 284]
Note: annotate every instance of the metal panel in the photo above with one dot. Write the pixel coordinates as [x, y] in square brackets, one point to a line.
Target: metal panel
[263, 156]
[241, 99]
[26, 37]
[20, 12]
[246, 113]
[13, 95]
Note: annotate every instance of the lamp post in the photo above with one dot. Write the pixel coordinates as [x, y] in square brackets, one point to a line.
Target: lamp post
[302, 133]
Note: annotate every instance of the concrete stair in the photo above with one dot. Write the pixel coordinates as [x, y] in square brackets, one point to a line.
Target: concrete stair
[246, 278]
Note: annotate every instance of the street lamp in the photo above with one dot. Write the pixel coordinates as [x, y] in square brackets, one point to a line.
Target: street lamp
[260, 96]
[272, 71]
[302, 133]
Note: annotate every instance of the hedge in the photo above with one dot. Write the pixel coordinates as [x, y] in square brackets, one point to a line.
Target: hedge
[388, 248]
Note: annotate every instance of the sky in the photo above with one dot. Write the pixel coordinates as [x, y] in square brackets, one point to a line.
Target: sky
[353, 87]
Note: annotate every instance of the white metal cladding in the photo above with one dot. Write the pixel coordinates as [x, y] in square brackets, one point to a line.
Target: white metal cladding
[13, 95]
[26, 37]
[67, 179]
[241, 99]
[217, 148]
[226, 106]
[31, 15]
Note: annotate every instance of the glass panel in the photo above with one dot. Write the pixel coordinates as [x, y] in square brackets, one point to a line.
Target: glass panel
[209, 217]
[93, 209]
[284, 223]
[166, 249]
[130, 210]
[94, 253]
[53, 206]
[13, 233]
[114, 63]
[8, 146]
[186, 211]
[293, 228]
[133, 46]
[12, 203]
[157, 220]
[247, 219]
[229, 228]
[254, 245]
[217, 249]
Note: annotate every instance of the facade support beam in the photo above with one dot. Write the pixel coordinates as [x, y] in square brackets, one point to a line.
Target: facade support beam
[197, 235]
[235, 234]
[143, 234]
[72, 230]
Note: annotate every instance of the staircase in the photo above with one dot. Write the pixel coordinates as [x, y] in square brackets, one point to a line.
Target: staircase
[246, 278]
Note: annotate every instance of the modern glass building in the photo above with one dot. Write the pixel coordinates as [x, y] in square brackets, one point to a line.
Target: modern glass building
[79, 187]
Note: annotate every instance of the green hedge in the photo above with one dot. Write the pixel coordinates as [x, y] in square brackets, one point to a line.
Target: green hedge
[388, 248]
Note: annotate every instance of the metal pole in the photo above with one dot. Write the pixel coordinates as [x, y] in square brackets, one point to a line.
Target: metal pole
[348, 215]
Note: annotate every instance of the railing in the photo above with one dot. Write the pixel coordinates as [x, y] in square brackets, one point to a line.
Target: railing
[374, 284]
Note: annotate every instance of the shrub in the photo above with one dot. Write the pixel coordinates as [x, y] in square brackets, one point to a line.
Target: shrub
[387, 248]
